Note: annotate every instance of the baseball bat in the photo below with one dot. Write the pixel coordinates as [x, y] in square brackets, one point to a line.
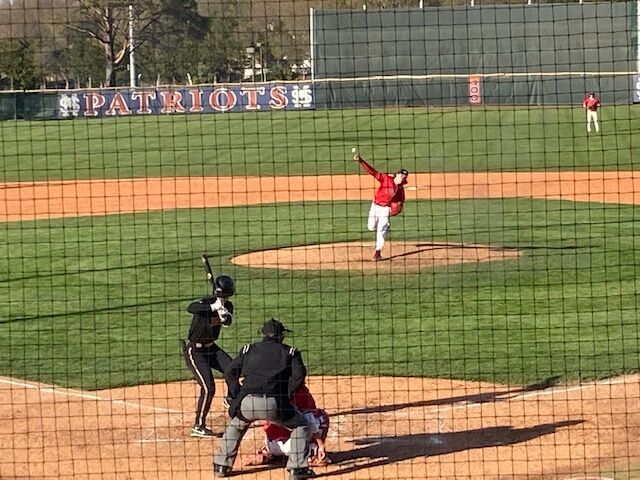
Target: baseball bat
[209, 272]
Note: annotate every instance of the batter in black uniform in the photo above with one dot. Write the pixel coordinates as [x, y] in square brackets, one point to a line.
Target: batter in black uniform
[271, 373]
[201, 352]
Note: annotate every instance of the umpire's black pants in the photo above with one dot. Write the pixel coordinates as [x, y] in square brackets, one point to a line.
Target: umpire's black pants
[200, 361]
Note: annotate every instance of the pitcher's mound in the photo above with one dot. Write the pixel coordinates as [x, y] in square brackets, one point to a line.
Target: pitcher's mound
[400, 256]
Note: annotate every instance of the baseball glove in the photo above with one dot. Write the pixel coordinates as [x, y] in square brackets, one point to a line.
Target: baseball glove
[396, 208]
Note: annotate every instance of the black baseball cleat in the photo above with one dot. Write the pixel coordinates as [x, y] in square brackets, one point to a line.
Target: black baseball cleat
[221, 471]
[301, 473]
[377, 256]
[202, 432]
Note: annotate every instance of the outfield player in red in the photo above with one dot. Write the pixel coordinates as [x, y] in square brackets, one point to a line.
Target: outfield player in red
[591, 104]
[276, 441]
[387, 202]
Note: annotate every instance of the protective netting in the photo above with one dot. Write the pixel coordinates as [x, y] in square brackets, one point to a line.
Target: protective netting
[426, 195]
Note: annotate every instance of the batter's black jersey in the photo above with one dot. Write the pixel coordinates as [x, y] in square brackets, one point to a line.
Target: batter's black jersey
[201, 329]
[268, 367]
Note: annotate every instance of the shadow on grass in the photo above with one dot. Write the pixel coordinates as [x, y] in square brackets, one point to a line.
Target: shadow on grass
[379, 451]
[426, 247]
[129, 306]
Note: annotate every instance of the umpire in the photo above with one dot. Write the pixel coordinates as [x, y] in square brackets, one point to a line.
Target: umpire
[201, 352]
[272, 372]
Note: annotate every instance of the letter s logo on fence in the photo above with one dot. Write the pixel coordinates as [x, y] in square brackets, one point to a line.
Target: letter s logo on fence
[301, 97]
[69, 105]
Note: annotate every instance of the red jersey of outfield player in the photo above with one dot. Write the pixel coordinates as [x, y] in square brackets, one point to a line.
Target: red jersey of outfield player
[591, 104]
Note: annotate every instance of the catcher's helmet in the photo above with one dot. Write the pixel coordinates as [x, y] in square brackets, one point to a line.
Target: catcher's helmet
[224, 286]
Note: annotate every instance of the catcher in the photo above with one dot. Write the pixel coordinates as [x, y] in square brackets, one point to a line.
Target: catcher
[387, 202]
[277, 441]
[201, 352]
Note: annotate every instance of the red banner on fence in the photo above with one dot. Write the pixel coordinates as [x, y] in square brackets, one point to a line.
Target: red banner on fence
[475, 96]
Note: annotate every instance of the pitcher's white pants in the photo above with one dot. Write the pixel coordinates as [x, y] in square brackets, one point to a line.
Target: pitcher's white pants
[379, 222]
[592, 116]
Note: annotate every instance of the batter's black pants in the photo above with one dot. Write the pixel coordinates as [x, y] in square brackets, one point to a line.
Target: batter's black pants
[201, 361]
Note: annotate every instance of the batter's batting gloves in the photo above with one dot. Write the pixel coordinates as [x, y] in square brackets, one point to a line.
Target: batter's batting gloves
[224, 309]
[226, 319]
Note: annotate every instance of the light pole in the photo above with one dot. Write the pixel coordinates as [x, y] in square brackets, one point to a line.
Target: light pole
[251, 55]
[132, 61]
[262, 72]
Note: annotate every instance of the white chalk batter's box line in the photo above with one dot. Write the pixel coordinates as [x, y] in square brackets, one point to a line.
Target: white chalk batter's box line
[67, 392]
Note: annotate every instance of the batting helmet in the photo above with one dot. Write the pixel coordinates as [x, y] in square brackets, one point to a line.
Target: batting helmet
[224, 286]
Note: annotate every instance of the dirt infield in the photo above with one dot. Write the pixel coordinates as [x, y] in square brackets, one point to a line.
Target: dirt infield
[382, 428]
[398, 256]
[37, 200]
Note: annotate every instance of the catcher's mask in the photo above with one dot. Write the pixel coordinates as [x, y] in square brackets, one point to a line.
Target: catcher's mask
[224, 286]
[274, 329]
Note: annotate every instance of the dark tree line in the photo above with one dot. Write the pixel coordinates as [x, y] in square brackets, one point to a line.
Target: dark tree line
[175, 41]
[86, 42]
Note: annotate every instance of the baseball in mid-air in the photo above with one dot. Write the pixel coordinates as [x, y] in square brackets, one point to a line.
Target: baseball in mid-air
[354, 150]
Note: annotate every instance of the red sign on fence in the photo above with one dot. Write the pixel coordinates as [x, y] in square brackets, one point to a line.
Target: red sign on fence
[475, 97]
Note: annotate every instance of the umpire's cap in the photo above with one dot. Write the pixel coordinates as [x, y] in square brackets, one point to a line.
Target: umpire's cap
[274, 329]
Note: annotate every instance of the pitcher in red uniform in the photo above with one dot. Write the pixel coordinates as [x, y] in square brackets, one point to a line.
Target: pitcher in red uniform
[387, 202]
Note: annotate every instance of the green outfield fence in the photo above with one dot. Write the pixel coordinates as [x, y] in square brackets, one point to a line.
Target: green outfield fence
[497, 337]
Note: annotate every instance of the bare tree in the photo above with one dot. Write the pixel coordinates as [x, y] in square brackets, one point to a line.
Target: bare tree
[107, 22]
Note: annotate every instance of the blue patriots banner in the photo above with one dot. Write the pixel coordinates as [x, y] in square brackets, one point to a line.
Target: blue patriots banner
[185, 100]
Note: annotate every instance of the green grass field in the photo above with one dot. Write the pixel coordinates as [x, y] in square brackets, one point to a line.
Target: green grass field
[103, 301]
[317, 142]
[100, 301]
